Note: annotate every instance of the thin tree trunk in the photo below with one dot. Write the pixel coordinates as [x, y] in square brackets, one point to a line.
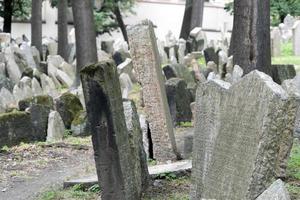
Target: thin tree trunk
[85, 33]
[250, 41]
[197, 14]
[120, 21]
[62, 28]
[186, 22]
[36, 24]
[8, 12]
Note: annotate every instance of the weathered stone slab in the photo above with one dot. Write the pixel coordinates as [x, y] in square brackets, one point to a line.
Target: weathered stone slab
[276, 191]
[296, 38]
[283, 72]
[238, 135]
[179, 100]
[68, 105]
[147, 65]
[15, 127]
[114, 160]
[56, 127]
[178, 167]
[140, 169]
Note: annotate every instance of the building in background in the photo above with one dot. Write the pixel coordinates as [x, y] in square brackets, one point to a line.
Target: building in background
[165, 14]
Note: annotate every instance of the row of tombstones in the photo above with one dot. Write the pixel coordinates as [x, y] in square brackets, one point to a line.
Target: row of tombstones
[243, 131]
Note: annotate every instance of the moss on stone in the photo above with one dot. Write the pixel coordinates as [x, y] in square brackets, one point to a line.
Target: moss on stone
[44, 100]
[12, 115]
[80, 118]
[71, 102]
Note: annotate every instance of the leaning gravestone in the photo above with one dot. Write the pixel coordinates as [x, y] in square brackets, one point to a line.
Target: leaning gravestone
[113, 155]
[238, 136]
[146, 62]
[136, 142]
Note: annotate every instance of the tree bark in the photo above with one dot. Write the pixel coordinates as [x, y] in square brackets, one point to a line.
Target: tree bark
[197, 14]
[36, 24]
[62, 28]
[186, 22]
[85, 34]
[120, 21]
[250, 41]
[8, 12]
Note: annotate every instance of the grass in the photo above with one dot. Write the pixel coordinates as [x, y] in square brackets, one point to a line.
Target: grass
[293, 171]
[75, 193]
[287, 56]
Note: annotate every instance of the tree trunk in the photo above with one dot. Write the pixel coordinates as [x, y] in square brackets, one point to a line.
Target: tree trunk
[197, 14]
[36, 24]
[8, 12]
[186, 23]
[250, 41]
[85, 33]
[62, 28]
[120, 21]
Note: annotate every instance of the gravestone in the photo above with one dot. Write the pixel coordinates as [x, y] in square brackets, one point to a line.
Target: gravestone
[56, 127]
[179, 100]
[15, 127]
[296, 38]
[140, 169]
[68, 105]
[276, 191]
[147, 65]
[113, 156]
[276, 42]
[126, 85]
[211, 55]
[238, 136]
[283, 72]
[169, 72]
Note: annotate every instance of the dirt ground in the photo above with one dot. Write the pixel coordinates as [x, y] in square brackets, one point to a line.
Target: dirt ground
[28, 169]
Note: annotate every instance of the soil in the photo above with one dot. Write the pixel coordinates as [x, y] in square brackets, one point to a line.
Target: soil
[27, 170]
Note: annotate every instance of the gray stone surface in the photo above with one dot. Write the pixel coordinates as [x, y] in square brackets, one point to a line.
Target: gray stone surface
[276, 42]
[179, 100]
[238, 136]
[140, 169]
[15, 127]
[68, 105]
[283, 72]
[80, 125]
[114, 160]
[126, 85]
[276, 191]
[6, 83]
[296, 38]
[56, 127]
[147, 64]
[154, 171]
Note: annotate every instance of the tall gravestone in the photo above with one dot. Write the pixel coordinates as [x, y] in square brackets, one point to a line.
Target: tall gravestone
[296, 38]
[238, 134]
[147, 64]
[112, 151]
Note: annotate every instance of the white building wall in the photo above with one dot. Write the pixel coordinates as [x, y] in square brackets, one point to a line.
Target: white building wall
[165, 16]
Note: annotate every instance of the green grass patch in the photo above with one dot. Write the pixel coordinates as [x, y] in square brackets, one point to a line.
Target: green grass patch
[185, 124]
[75, 193]
[293, 169]
[287, 55]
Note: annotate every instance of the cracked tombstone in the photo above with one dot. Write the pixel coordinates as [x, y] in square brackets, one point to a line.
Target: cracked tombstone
[238, 136]
[147, 65]
[112, 151]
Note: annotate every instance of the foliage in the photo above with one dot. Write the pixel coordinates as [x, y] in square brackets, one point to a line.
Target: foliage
[105, 19]
[21, 9]
[279, 9]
